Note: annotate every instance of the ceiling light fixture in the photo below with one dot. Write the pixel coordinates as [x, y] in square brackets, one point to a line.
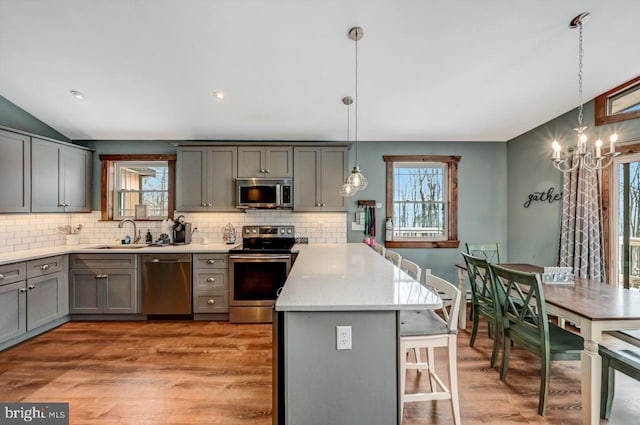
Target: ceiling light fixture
[218, 95]
[347, 189]
[581, 156]
[357, 179]
[78, 95]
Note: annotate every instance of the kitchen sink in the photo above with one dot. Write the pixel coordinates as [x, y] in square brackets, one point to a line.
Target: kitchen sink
[130, 246]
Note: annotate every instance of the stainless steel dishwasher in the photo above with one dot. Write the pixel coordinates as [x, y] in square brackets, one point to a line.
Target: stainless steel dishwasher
[166, 284]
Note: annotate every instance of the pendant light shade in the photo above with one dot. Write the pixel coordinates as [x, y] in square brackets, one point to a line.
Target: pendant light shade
[357, 179]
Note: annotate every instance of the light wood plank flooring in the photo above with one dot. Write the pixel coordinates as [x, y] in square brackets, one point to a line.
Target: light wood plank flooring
[203, 373]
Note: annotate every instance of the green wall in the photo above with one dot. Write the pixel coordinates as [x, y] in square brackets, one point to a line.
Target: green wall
[533, 232]
[482, 196]
[13, 116]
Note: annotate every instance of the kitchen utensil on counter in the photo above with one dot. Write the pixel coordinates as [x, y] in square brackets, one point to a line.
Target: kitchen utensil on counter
[229, 234]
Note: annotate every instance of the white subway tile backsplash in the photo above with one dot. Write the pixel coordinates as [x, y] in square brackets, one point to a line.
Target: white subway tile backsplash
[28, 231]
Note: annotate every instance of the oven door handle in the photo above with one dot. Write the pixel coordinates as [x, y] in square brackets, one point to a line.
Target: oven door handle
[259, 257]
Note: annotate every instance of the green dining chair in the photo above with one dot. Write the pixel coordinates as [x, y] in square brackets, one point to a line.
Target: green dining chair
[489, 251]
[525, 324]
[485, 302]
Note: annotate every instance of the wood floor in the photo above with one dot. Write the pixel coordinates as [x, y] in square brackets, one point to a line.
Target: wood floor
[203, 373]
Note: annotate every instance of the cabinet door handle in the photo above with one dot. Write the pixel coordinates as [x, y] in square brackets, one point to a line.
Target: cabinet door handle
[267, 171]
[44, 267]
[210, 204]
[23, 290]
[32, 287]
[210, 261]
[211, 279]
[1, 276]
[204, 204]
[211, 301]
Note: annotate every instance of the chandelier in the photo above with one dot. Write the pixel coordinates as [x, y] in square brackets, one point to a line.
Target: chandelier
[581, 155]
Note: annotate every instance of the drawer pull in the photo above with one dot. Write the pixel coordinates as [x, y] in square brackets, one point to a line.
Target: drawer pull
[23, 290]
[32, 287]
[211, 261]
[45, 267]
[211, 301]
[211, 279]
[1, 276]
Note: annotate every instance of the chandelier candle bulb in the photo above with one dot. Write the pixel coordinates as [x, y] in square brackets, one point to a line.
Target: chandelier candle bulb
[556, 149]
[598, 146]
[613, 139]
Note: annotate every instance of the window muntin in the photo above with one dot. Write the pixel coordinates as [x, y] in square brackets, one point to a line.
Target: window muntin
[419, 201]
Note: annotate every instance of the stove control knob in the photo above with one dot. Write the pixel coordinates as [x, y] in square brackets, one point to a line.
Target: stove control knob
[289, 231]
[254, 230]
[247, 231]
[282, 231]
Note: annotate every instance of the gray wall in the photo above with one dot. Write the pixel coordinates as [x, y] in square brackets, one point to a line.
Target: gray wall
[482, 196]
[533, 232]
[15, 117]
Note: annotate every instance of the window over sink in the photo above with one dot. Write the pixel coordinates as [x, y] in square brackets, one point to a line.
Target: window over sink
[140, 187]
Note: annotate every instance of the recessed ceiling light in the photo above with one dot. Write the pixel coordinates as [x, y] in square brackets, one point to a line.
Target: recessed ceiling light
[78, 95]
[218, 95]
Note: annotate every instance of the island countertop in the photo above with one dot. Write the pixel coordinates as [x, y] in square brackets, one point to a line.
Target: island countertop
[350, 277]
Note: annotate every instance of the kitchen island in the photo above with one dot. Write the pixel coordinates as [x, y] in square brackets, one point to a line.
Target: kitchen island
[341, 285]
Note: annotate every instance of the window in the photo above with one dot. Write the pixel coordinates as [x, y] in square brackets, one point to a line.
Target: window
[422, 199]
[621, 103]
[137, 186]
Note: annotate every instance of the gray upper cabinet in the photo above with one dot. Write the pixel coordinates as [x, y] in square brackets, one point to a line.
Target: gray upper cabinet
[318, 174]
[60, 180]
[265, 161]
[15, 172]
[205, 178]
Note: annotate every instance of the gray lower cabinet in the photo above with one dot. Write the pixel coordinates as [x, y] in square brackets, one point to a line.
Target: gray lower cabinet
[103, 284]
[205, 178]
[61, 177]
[15, 172]
[33, 295]
[318, 174]
[210, 283]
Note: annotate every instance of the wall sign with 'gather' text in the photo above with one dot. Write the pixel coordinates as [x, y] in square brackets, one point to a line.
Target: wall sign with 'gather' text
[548, 196]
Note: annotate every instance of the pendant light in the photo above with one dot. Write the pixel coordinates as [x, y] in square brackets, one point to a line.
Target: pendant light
[347, 189]
[357, 179]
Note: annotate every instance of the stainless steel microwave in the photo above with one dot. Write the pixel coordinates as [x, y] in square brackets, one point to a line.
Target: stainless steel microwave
[264, 193]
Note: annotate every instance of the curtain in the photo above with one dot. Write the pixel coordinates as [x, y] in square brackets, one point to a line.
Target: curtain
[581, 239]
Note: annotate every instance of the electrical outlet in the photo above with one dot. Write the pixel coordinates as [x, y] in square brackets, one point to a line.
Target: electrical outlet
[343, 337]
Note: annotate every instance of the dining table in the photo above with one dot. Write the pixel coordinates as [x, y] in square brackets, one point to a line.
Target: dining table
[594, 307]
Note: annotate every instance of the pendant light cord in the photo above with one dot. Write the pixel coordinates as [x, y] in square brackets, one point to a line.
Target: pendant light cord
[356, 96]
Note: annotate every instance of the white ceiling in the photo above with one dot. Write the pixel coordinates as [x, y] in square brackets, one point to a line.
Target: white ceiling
[429, 70]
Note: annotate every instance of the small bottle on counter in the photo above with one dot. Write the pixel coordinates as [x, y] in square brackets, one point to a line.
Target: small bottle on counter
[148, 238]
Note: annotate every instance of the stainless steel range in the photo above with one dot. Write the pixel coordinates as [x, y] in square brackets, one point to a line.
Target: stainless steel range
[258, 269]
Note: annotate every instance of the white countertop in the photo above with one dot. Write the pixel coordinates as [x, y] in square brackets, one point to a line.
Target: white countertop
[32, 254]
[350, 277]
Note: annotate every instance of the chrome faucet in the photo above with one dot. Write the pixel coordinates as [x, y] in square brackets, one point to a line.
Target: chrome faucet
[136, 235]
